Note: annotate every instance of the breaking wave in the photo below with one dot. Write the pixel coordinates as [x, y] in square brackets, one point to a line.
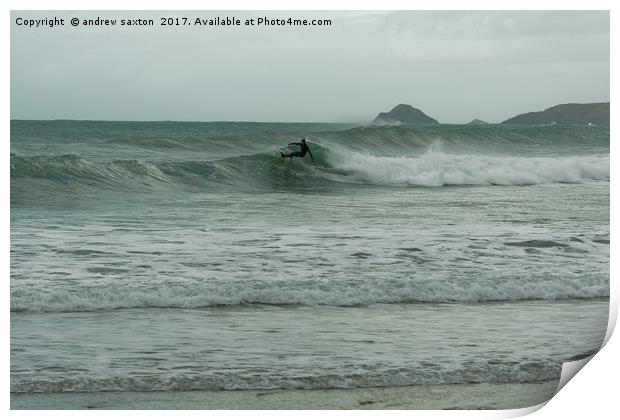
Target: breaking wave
[332, 165]
[435, 169]
[196, 294]
[484, 372]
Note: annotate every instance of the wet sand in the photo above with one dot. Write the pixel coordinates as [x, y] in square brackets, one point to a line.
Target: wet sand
[427, 397]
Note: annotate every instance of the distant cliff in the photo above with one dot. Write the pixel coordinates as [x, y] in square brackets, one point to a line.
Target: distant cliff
[403, 114]
[597, 113]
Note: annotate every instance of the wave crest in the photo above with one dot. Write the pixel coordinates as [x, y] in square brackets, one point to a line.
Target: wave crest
[363, 377]
[332, 164]
[195, 294]
[435, 169]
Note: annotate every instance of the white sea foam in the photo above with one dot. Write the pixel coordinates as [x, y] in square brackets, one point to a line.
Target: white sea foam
[437, 288]
[436, 168]
[420, 375]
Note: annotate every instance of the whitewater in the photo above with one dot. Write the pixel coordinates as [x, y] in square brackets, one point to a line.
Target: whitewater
[170, 256]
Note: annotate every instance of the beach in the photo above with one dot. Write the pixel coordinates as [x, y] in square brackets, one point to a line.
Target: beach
[422, 397]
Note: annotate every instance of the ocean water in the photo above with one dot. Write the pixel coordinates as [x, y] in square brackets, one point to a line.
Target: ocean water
[177, 256]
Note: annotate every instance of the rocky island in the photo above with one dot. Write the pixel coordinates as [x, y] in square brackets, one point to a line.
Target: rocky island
[403, 114]
[595, 113]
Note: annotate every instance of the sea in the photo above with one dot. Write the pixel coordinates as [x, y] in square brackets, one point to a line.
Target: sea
[190, 257]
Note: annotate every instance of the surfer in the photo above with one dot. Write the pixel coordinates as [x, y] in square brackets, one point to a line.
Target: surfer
[302, 152]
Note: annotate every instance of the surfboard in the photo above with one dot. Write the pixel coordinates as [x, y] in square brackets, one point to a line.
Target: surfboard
[285, 150]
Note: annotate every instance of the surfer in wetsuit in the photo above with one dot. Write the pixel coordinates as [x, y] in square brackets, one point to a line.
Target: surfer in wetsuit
[302, 152]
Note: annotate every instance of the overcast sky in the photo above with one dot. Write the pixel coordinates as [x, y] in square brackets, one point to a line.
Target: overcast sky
[455, 66]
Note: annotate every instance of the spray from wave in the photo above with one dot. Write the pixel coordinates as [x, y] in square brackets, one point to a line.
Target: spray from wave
[435, 169]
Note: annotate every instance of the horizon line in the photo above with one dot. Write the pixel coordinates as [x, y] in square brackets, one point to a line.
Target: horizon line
[188, 121]
[361, 122]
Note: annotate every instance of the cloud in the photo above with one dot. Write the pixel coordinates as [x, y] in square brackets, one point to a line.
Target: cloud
[448, 63]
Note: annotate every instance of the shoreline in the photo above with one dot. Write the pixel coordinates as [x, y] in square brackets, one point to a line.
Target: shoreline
[418, 397]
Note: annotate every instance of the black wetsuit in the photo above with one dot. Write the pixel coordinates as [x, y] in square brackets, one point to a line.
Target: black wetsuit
[304, 149]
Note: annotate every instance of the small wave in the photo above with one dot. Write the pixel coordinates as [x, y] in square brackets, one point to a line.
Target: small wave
[537, 243]
[196, 294]
[76, 171]
[492, 371]
[149, 143]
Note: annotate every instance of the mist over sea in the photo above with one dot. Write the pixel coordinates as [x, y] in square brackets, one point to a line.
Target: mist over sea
[179, 256]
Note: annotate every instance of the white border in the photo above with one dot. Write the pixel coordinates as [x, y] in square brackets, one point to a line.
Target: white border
[592, 394]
